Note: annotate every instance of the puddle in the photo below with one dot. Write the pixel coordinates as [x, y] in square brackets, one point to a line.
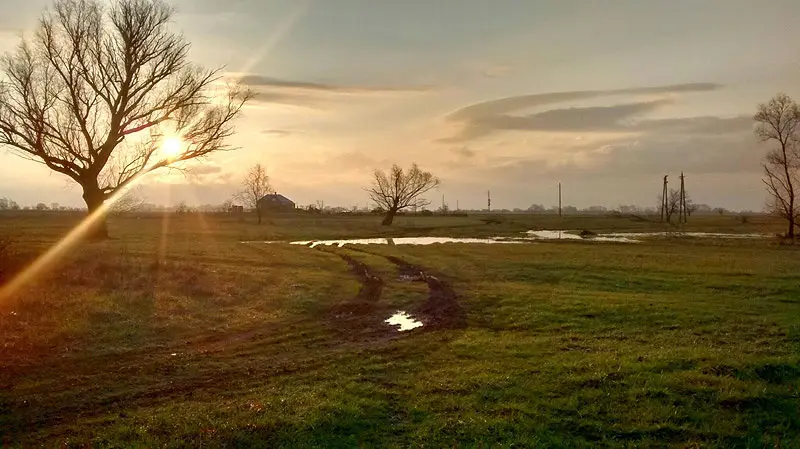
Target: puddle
[554, 235]
[619, 237]
[403, 241]
[709, 235]
[404, 320]
[568, 235]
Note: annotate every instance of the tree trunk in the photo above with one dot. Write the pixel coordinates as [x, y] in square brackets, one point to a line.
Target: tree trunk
[94, 198]
[389, 218]
[258, 214]
[790, 188]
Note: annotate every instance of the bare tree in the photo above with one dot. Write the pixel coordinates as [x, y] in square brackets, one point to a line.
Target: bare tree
[673, 203]
[255, 186]
[226, 206]
[779, 121]
[399, 190]
[131, 200]
[105, 94]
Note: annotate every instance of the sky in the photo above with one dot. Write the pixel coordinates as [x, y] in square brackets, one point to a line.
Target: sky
[512, 96]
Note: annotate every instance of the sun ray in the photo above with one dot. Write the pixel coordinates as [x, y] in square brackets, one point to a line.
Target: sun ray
[58, 250]
[283, 29]
[76, 235]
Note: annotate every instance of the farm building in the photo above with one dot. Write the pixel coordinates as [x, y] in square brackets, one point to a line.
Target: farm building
[275, 202]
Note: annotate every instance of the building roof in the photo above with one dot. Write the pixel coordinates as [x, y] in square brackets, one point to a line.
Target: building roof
[276, 198]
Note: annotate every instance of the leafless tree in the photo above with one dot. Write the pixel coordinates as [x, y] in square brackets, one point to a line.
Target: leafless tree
[779, 122]
[226, 206]
[673, 203]
[255, 186]
[131, 200]
[96, 92]
[398, 190]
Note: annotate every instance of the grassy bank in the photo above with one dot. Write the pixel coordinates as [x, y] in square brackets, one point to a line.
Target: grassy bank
[177, 334]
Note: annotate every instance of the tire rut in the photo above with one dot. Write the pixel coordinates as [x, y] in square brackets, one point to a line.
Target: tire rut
[442, 310]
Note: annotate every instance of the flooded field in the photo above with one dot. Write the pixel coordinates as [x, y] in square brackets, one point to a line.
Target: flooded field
[573, 235]
[634, 237]
[529, 237]
[403, 241]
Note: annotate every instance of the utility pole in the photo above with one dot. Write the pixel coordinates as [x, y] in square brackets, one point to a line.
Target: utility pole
[559, 200]
[488, 201]
[683, 216]
[457, 208]
[664, 194]
[442, 204]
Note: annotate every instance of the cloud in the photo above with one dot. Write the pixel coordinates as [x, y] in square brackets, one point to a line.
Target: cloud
[510, 104]
[702, 146]
[599, 118]
[204, 169]
[314, 95]
[699, 125]
[496, 70]
[279, 132]
[463, 152]
[258, 81]
[486, 117]
[292, 99]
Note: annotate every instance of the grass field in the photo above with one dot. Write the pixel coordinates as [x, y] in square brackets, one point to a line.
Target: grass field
[177, 334]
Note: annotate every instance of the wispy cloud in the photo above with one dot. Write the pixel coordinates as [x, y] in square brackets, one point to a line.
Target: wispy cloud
[317, 94]
[598, 118]
[279, 132]
[261, 82]
[486, 117]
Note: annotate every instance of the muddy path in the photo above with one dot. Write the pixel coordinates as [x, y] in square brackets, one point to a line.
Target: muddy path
[442, 309]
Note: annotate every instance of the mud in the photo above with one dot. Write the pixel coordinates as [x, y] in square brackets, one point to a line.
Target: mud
[368, 293]
[442, 310]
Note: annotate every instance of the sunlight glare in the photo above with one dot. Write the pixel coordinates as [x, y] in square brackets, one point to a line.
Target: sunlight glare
[172, 147]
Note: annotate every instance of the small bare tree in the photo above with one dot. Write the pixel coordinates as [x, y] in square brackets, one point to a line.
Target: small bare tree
[255, 186]
[105, 94]
[399, 190]
[673, 204]
[779, 121]
[131, 200]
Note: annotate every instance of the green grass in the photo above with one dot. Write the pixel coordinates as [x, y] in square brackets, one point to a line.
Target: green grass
[176, 334]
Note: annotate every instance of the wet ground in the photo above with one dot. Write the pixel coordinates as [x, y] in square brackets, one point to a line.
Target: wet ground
[400, 241]
[364, 317]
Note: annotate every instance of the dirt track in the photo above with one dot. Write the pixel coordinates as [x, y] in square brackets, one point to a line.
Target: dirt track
[441, 310]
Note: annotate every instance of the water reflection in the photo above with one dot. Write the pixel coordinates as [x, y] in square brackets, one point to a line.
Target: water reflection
[404, 320]
[402, 241]
[569, 235]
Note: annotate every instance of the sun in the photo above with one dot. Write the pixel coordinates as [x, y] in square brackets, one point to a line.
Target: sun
[172, 147]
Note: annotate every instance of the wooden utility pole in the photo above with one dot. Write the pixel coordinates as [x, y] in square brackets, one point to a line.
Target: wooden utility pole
[488, 201]
[457, 208]
[664, 194]
[559, 199]
[683, 215]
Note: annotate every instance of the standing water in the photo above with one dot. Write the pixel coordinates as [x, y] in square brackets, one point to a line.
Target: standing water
[404, 320]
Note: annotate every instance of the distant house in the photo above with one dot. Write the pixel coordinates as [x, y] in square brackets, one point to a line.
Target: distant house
[275, 202]
[236, 210]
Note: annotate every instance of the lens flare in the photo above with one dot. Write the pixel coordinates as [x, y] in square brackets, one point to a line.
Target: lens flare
[172, 147]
